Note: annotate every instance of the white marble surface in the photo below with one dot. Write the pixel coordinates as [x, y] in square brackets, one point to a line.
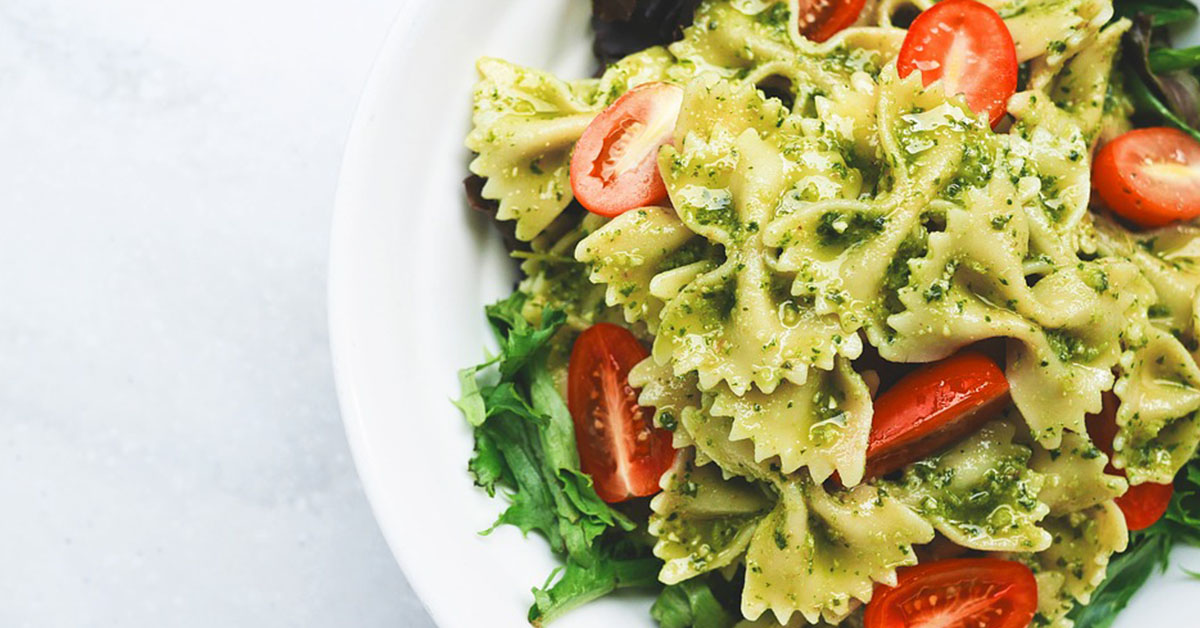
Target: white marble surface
[170, 447]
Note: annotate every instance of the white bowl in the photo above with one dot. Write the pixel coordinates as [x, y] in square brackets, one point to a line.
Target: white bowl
[410, 270]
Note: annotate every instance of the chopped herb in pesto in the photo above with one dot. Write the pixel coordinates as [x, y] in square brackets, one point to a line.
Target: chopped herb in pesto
[842, 230]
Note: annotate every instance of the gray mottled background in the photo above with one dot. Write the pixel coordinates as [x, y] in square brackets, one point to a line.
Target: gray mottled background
[170, 447]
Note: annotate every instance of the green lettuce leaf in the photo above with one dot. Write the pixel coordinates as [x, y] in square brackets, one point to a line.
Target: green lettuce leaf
[525, 449]
[691, 604]
[1183, 515]
[1162, 12]
[520, 341]
[1174, 59]
[1172, 96]
[581, 584]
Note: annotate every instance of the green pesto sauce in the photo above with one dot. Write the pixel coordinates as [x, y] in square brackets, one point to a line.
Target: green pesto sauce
[898, 272]
[842, 230]
[775, 19]
[695, 250]
[1071, 348]
[986, 506]
[719, 301]
[712, 207]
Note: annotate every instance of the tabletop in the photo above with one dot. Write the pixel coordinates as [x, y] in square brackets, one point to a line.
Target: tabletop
[170, 447]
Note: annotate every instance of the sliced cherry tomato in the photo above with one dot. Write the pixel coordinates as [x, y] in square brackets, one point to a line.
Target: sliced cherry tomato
[967, 46]
[933, 407]
[615, 165]
[957, 593]
[1150, 176]
[1143, 504]
[618, 446]
[822, 19]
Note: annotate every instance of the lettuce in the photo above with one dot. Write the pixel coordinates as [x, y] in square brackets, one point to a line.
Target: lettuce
[1173, 96]
[1174, 59]
[580, 585]
[1162, 12]
[691, 604]
[525, 449]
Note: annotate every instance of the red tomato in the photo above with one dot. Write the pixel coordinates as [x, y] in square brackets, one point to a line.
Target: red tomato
[822, 19]
[933, 407]
[1143, 504]
[615, 165]
[618, 446]
[957, 593]
[1150, 176]
[966, 45]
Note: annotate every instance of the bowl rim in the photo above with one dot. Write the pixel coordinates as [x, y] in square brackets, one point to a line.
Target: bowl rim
[344, 224]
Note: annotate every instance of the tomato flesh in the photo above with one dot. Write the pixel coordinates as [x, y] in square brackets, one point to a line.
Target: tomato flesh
[957, 593]
[1150, 177]
[1143, 504]
[931, 408]
[615, 164]
[619, 447]
[821, 19]
[965, 45]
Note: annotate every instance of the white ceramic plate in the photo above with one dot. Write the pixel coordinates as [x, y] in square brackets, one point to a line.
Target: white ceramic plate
[410, 271]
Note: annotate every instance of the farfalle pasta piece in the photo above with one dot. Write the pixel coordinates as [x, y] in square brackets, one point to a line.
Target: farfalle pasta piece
[629, 252]
[737, 323]
[1049, 33]
[818, 553]
[759, 43]
[1169, 258]
[526, 123]
[981, 494]
[710, 436]
[1159, 416]
[821, 425]
[669, 394]
[1074, 475]
[702, 521]
[1065, 330]
[1081, 87]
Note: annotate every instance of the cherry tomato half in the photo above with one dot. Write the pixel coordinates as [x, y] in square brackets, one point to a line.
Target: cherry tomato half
[615, 165]
[1150, 176]
[822, 19]
[618, 446]
[957, 593]
[967, 46]
[933, 407]
[1143, 504]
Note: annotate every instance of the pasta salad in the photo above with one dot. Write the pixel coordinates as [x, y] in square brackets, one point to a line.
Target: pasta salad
[869, 313]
